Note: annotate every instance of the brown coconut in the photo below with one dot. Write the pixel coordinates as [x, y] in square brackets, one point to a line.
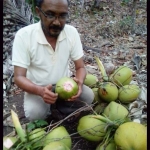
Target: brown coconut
[108, 91]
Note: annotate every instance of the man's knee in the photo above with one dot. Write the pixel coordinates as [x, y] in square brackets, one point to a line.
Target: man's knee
[34, 114]
[87, 95]
[34, 111]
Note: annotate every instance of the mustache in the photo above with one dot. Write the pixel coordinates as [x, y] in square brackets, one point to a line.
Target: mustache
[55, 27]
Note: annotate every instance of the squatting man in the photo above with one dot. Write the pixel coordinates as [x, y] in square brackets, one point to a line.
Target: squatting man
[41, 53]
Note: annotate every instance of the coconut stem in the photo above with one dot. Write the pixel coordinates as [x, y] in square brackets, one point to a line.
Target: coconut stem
[113, 124]
[104, 119]
[19, 145]
[101, 68]
[18, 126]
[108, 137]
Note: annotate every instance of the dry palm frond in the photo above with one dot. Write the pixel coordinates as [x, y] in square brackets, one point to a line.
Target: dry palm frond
[16, 14]
[21, 16]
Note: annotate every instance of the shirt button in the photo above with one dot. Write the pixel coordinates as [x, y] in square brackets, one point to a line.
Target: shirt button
[53, 59]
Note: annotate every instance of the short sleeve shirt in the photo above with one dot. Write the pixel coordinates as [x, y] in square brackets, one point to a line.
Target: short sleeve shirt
[45, 66]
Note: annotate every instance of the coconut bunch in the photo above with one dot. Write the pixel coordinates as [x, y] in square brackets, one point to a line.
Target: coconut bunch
[130, 93]
[118, 87]
[114, 129]
[115, 87]
[111, 124]
[39, 138]
[113, 135]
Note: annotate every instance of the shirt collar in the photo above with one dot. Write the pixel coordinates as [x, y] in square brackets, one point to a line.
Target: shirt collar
[41, 37]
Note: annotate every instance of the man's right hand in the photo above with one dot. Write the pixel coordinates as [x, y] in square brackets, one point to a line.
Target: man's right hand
[28, 86]
[48, 96]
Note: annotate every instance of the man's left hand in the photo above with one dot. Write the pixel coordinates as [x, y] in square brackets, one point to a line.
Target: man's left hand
[79, 90]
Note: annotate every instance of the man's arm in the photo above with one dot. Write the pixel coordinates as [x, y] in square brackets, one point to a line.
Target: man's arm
[28, 86]
[80, 70]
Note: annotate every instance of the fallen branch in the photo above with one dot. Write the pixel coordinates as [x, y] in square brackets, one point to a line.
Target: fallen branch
[86, 48]
[137, 47]
[84, 108]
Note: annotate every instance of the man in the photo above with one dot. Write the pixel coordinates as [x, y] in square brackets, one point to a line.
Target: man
[40, 57]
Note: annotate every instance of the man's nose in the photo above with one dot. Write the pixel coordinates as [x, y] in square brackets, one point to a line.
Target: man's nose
[56, 21]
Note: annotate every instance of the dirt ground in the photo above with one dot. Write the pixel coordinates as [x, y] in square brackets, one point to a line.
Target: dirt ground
[16, 103]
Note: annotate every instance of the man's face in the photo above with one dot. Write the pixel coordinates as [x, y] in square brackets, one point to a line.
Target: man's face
[53, 16]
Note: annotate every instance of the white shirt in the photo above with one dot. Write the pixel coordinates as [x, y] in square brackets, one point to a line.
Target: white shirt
[45, 66]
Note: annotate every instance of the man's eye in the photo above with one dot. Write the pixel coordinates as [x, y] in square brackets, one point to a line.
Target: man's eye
[50, 15]
[63, 16]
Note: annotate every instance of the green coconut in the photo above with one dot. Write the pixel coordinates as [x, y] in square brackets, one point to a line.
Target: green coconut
[36, 137]
[121, 76]
[91, 129]
[108, 91]
[129, 93]
[66, 88]
[56, 145]
[110, 146]
[100, 108]
[90, 80]
[96, 96]
[8, 142]
[115, 111]
[131, 136]
[36, 134]
[58, 134]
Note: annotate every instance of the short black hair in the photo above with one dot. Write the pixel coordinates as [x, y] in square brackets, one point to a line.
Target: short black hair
[38, 3]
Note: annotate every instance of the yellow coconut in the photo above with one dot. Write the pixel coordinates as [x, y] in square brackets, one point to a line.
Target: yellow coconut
[56, 145]
[131, 136]
[110, 146]
[36, 134]
[100, 108]
[115, 111]
[121, 76]
[58, 134]
[90, 80]
[91, 129]
[108, 91]
[128, 93]
[96, 96]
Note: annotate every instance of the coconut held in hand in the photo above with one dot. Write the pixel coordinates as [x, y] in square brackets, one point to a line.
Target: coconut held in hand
[66, 88]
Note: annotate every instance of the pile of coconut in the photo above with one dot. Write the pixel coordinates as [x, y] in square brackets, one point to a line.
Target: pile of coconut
[111, 122]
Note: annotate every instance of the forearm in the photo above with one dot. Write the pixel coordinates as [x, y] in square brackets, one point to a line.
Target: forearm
[81, 74]
[28, 86]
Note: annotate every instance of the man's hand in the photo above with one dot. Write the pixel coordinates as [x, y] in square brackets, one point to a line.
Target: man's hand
[48, 96]
[79, 90]
[80, 76]
[28, 86]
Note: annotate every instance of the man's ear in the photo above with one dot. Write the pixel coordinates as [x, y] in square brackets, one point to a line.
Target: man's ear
[37, 11]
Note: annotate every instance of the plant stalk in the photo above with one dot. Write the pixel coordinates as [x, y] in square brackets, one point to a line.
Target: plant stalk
[101, 68]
